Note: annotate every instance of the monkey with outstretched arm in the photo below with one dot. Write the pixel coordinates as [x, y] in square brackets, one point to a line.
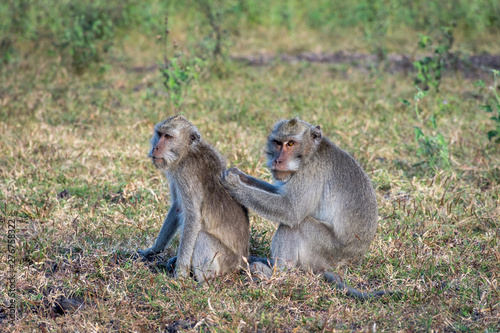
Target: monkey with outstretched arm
[323, 202]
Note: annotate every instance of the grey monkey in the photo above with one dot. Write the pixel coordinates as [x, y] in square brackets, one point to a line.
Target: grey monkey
[323, 201]
[215, 228]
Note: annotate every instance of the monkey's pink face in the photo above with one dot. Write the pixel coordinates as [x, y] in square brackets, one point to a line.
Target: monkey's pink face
[164, 150]
[284, 158]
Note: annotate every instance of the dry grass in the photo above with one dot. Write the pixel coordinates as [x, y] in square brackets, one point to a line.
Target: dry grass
[73, 168]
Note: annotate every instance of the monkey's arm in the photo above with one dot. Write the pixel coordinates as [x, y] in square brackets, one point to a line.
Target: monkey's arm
[269, 204]
[167, 232]
[192, 227]
[251, 181]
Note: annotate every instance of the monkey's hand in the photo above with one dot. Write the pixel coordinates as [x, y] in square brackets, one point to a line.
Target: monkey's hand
[148, 253]
[233, 178]
[169, 265]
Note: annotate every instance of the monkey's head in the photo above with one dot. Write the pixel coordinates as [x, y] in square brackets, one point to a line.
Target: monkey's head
[173, 138]
[289, 145]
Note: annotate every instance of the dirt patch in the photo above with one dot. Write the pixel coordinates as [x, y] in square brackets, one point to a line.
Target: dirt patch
[474, 65]
[471, 66]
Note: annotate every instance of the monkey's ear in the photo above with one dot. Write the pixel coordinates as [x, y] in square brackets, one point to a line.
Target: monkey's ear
[195, 137]
[316, 134]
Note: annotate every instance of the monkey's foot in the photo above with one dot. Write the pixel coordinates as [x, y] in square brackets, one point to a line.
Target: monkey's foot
[261, 270]
[168, 266]
[147, 254]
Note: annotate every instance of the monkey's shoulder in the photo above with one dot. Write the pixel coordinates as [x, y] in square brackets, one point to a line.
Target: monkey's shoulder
[332, 153]
[205, 157]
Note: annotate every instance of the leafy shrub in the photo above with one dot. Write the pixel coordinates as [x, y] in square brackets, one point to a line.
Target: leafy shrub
[429, 68]
[178, 74]
[7, 50]
[81, 32]
[492, 105]
[433, 149]
[87, 38]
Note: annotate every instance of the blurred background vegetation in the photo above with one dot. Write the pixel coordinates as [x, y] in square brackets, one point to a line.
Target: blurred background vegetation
[83, 33]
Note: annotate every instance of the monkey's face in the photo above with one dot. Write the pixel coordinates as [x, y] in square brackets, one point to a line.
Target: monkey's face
[284, 158]
[290, 144]
[164, 149]
[171, 141]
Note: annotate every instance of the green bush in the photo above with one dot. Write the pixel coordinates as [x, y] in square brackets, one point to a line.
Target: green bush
[81, 32]
[492, 106]
[87, 38]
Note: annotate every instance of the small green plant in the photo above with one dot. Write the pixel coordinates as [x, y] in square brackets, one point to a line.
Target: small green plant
[430, 68]
[178, 72]
[493, 104]
[87, 38]
[215, 13]
[379, 17]
[432, 148]
[7, 51]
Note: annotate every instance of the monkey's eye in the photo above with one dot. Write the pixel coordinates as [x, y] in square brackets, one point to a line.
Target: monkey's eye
[277, 143]
[290, 143]
[167, 136]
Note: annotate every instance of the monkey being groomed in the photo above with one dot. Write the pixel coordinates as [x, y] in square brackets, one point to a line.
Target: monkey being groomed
[323, 201]
[215, 228]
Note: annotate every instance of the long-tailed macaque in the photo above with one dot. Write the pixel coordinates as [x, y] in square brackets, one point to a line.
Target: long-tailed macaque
[322, 200]
[215, 228]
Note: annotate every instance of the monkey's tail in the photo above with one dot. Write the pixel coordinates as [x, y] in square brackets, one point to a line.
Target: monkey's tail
[339, 284]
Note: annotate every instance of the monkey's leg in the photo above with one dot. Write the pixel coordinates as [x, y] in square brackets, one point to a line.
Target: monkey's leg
[320, 250]
[211, 257]
[310, 246]
[286, 246]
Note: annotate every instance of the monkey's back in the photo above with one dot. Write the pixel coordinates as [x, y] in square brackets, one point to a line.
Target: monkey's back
[221, 214]
[352, 201]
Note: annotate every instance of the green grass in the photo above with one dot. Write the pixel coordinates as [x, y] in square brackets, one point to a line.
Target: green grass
[88, 135]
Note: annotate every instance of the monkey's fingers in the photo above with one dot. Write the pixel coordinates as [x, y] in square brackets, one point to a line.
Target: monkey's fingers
[168, 266]
[234, 170]
[146, 254]
[229, 179]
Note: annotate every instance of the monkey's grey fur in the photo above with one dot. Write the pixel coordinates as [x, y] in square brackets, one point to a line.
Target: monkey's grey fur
[215, 228]
[323, 201]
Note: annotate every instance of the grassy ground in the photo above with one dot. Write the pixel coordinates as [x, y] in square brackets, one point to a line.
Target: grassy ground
[74, 170]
